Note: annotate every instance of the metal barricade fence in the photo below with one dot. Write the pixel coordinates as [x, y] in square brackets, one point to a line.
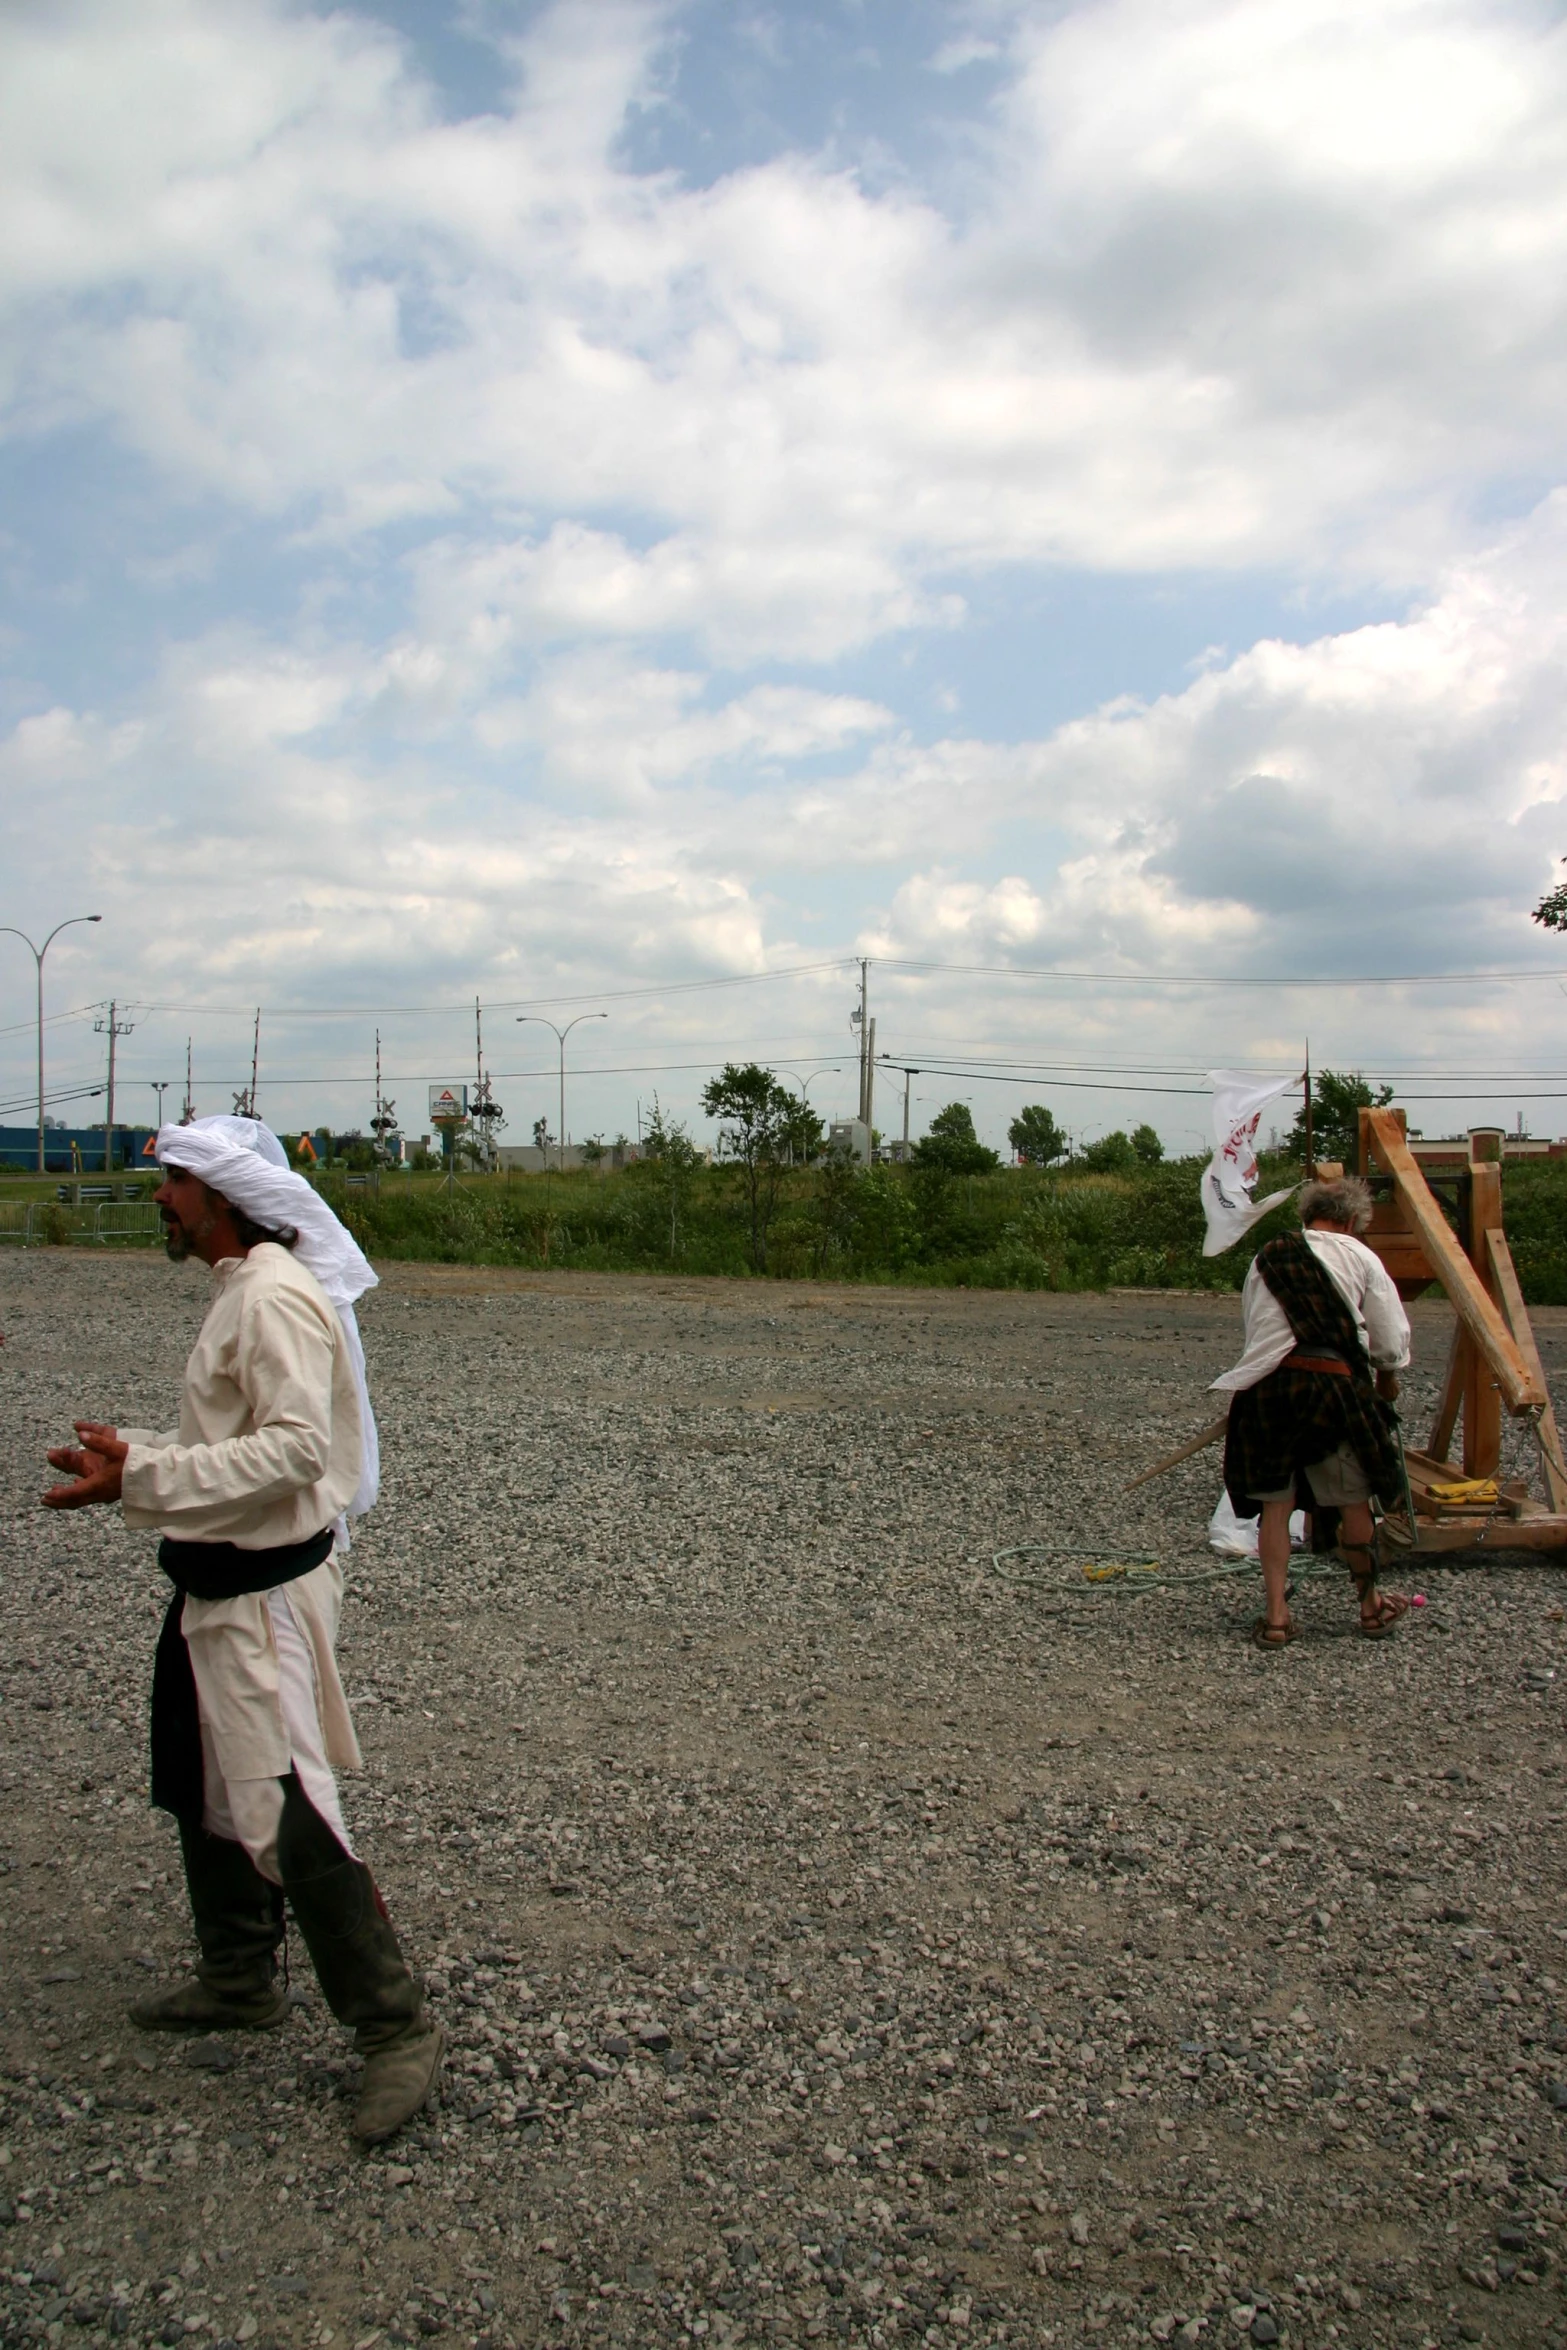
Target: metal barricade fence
[132, 1220]
[49, 1224]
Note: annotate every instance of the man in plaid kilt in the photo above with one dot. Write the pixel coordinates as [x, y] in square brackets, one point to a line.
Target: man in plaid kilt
[1310, 1414]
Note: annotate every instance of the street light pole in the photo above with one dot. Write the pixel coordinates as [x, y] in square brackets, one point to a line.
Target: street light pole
[539, 1020]
[805, 1084]
[908, 1076]
[38, 953]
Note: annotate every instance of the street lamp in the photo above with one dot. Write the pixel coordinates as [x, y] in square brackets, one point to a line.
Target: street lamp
[908, 1077]
[539, 1019]
[160, 1086]
[38, 953]
[805, 1084]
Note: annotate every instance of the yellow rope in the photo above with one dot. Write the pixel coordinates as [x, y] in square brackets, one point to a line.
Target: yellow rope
[1465, 1490]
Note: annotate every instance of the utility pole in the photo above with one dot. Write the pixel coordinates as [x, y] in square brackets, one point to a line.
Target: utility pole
[383, 1123]
[1311, 1156]
[113, 1028]
[38, 954]
[188, 1112]
[245, 1103]
[485, 1113]
[862, 1021]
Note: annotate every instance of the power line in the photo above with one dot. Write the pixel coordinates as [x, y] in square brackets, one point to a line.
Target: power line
[77, 1093]
[594, 995]
[1212, 979]
[908, 965]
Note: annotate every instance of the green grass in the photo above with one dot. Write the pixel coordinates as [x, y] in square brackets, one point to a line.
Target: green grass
[1018, 1228]
[1014, 1229]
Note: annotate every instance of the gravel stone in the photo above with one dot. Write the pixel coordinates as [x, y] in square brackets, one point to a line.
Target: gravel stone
[833, 1941]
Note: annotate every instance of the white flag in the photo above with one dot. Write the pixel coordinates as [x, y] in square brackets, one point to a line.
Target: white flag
[1230, 1175]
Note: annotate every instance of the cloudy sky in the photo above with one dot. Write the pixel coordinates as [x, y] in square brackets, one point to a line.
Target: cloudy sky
[561, 503]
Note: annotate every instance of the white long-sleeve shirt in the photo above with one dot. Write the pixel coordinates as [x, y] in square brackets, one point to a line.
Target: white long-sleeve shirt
[1364, 1283]
[267, 1452]
[268, 1446]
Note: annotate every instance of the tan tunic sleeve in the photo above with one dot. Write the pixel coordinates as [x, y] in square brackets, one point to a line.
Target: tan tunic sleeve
[284, 1353]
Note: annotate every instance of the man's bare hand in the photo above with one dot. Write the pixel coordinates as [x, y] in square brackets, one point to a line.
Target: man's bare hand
[95, 1470]
[1388, 1386]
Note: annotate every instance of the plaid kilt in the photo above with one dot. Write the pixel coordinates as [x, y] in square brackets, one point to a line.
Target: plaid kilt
[1292, 1419]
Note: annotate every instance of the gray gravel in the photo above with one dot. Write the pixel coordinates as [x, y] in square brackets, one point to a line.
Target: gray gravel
[833, 1944]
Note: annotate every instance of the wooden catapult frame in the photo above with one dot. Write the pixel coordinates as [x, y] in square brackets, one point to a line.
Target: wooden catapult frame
[1493, 1364]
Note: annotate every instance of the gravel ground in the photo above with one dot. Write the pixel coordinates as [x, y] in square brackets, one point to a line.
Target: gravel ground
[835, 1944]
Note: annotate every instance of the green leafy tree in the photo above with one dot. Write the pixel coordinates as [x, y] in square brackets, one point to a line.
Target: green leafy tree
[1146, 1143]
[1112, 1154]
[761, 1130]
[1337, 1098]
[1035, 1136]
[952, 1147]
[1551, 912]
[669, 1159]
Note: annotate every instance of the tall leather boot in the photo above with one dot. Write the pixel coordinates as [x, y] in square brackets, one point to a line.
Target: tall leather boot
[239, 1925]
[362, 1972]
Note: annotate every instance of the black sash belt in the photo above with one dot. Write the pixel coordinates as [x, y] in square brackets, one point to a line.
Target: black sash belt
[205, 1570]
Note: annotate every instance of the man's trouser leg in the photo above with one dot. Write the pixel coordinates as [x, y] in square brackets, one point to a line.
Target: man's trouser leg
[361, 1970]
[239, 1924]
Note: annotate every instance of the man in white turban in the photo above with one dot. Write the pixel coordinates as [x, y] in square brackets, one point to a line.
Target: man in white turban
[252, 1495]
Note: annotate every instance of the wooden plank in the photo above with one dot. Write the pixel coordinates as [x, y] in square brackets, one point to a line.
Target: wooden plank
[1490, 1534]
[1516, 1314]
[1173, 1460]
[1476, 1309]
[1447, 1410]
[1426, 1469]
[1482, 1403]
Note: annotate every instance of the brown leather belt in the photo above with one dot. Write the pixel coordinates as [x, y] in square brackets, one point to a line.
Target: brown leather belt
[1334, 1365]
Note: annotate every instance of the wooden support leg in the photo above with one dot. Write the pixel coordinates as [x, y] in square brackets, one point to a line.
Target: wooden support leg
[1504, 1275]
[1482, 1398]
[1459, 1357]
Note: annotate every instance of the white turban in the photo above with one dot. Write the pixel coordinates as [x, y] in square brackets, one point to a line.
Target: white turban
[245, 1161]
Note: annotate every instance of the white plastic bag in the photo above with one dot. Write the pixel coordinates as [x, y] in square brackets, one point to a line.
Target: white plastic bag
[1236, 1538]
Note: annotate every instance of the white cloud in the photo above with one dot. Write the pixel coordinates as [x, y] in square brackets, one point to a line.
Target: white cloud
[1246, 284]
[1296, 804]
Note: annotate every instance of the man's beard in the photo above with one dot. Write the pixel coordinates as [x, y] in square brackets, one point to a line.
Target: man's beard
[179, 1240]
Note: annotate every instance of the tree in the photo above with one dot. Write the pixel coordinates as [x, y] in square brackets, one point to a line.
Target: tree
[1551, 911]
[1112, 1154]
[1149, 1149]
[1036, 1137]
[1337, 1098]
[668, 1157]
[952, 1146]
[761, 1129]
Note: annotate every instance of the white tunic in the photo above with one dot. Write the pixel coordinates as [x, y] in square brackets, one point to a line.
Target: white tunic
[267, 1452]
[1364, 1283]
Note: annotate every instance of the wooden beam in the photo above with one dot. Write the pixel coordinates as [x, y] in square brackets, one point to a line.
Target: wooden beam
[1521, 1389]
[1173, 1460]
[1510, 1295]
[1482, 1403]
[1447, 1410]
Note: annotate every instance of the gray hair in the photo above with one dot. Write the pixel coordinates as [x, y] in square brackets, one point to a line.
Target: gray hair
[1347, 1200]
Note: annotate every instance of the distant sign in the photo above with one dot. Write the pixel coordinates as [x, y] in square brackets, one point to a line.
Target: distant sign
[448, 1101]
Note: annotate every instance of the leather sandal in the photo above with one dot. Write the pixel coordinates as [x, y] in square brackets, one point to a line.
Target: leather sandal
[1266, 1635]
[1389, 1605]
